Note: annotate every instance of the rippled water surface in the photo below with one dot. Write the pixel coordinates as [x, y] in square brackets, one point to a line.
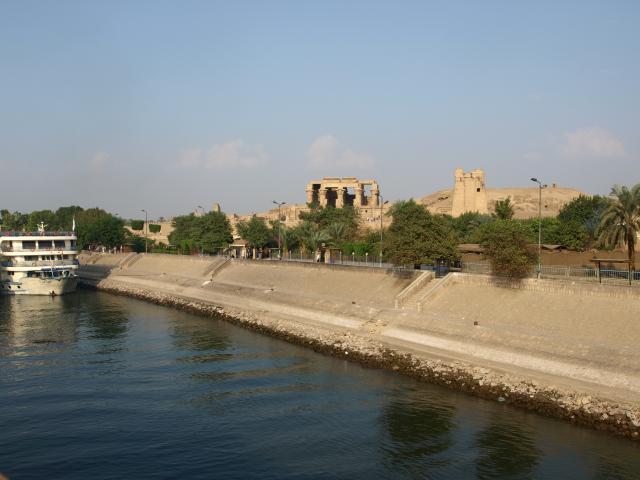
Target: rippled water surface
[94, 386]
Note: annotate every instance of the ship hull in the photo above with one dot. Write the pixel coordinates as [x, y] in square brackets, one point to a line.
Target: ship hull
[41, 286]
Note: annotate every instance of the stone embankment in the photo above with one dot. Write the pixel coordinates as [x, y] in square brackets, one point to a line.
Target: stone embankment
[468, 334]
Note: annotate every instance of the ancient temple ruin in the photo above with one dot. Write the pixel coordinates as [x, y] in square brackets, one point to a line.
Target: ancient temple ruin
[339, 192]
[469, 193]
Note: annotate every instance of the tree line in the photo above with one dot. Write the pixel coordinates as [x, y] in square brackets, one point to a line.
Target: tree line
[94, 226]
[415, 236]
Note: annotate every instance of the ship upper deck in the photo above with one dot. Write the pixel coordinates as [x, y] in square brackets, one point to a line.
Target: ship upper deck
[51, 235]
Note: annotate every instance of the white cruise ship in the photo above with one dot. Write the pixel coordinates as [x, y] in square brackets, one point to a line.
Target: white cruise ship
[38, 263]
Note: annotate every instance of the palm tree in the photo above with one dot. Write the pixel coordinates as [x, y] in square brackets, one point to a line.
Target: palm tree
[336, 232]
[311, 236]
[620, 221]
[504, 209]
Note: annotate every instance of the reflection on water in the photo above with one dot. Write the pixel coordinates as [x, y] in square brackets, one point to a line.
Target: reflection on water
[18, 330]
[420, 431]
[506, 450]
[195, 336]
[101, 387]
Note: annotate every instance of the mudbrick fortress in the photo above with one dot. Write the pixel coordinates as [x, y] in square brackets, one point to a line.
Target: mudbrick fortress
[469, 194]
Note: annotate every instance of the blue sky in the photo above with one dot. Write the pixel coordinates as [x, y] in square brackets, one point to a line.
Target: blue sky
[169, 105]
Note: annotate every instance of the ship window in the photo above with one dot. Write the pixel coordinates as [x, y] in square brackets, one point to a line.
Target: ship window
[45, 244]
[29, 244]
[59, 243]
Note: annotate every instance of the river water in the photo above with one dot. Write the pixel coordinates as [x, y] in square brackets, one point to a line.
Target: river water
[95, 386]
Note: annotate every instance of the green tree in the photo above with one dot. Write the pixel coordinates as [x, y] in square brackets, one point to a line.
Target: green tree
[154, 228]
[65, 216]
[207, 233]
[106, 230]
[14, 221]
[94, 226]
[42, 216]
[288, 237]
[468, 225]
[336, 232]
[417, 236]
[213, 232]
[582, 216]
[620, 221]
[507, 245]
[555, 232]
[311, 236]
[322, 217]
[137, 225]
[255, 231]
[504, 209]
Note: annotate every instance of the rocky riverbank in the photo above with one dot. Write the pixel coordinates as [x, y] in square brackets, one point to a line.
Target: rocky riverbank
[617, 417]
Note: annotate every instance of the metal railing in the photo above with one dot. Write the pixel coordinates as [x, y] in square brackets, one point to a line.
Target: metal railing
[590, 273]
[39, 249]
[42, 263]
[52, 233]
[336, 259]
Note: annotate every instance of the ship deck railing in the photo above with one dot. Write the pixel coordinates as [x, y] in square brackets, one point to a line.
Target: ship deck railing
[41, 249]
[53, 233]
[42, 263]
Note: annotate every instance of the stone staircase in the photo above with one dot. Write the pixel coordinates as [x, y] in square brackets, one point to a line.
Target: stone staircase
[412, 302]
[408, 299]
[421, 294]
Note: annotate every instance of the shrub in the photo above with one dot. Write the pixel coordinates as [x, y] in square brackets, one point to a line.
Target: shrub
[508, 248]
[504, 209]
[153, 228]
[359, 248]
[137, 225]
[417, 236]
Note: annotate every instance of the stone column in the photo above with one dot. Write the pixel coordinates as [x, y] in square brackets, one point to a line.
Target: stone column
[357, 202]
[375, 198]
[310, 195]
[340, 198]
[322, 196]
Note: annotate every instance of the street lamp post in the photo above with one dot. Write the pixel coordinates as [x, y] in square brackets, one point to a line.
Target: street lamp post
[381, 206]
[540, 187]
[203, 214]
[280, 204]
[145, 230]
